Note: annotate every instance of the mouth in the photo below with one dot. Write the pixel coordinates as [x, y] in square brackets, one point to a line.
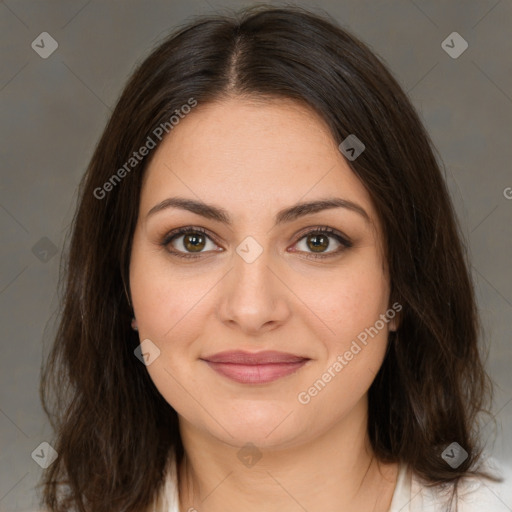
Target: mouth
[255, 368]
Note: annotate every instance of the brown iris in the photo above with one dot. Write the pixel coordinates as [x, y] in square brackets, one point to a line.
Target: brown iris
[319, 242]
[194, 242]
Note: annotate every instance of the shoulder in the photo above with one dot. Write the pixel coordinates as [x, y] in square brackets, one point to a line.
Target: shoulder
[473, 494]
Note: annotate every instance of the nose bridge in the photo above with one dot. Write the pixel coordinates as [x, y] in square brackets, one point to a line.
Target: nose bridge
[251, 272]
[252, 296]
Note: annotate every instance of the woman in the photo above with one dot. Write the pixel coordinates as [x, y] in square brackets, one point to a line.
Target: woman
[267, 302]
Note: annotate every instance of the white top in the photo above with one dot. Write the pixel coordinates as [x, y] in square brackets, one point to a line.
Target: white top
[411, 494]
[474, 494]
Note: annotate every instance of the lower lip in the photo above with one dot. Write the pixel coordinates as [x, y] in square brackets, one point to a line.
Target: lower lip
[258, 373]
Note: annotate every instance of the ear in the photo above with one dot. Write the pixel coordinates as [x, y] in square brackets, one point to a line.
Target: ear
[134, 324]
[395, 316]
[394, 323]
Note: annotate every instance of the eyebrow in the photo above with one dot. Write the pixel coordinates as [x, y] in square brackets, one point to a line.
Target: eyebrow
[289, 214]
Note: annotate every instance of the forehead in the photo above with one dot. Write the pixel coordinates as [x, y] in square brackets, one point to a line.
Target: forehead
[251, 155]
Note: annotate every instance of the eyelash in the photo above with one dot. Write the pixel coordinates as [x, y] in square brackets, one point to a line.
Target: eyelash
[319, 229]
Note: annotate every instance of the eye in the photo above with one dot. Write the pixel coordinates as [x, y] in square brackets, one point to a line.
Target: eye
[317, 240]
[193, 239]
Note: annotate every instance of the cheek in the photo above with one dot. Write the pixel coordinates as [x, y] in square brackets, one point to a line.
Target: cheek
[347, 300]
[163, 298]
[164, 305]
[355, 346]
[347, 308]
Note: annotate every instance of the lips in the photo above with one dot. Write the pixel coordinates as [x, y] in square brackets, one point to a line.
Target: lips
[249, 358]
[257, 367]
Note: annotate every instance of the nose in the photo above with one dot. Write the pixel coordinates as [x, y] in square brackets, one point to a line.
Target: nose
[253, 296]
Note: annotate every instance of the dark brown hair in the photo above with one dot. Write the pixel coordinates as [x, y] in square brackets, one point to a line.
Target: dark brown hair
[113, 429]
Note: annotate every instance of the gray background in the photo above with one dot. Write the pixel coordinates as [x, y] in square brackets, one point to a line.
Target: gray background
[53, 111]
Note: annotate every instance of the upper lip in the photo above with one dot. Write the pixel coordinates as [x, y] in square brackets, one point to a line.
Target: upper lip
[248, 358]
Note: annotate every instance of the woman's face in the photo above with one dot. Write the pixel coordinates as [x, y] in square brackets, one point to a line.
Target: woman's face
[266, 281]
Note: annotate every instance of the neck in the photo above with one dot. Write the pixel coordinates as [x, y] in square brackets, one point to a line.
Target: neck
[340, 463]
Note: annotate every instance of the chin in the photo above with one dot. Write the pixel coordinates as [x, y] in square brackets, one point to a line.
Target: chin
[262, 423]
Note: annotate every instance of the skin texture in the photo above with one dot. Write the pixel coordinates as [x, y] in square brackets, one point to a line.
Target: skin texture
[254, 158]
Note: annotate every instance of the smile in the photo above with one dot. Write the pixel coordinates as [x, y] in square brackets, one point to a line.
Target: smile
[256, 368]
